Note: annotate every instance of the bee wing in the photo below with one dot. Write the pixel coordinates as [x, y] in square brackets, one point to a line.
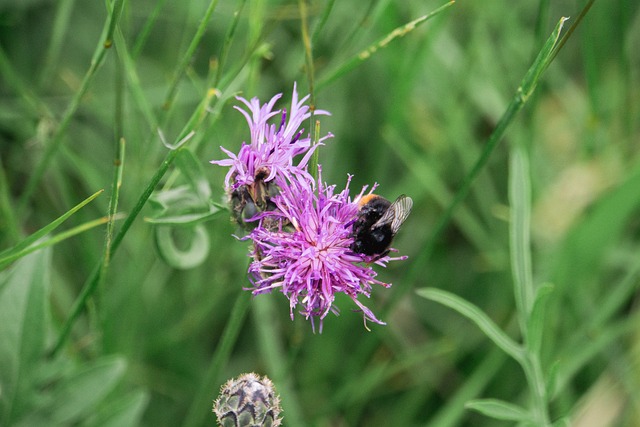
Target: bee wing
[396, 214]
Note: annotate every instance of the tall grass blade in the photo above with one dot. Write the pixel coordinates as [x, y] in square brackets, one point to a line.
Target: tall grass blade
[477, 316]
[402, 31]
[520, 234]
[28, 241]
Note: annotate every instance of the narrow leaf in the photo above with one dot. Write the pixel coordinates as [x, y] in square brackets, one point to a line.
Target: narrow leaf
[23, 296]
[500, 410]
[47, 229]
[478, 317]
[185, 219]
[4, 261]
[519, 232]
[535, 324]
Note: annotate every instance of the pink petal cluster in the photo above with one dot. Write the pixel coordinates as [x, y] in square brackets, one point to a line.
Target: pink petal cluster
[312, 261]
[273, 146]
[302, 246]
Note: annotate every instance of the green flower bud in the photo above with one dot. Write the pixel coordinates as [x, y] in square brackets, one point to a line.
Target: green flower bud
[248, 401]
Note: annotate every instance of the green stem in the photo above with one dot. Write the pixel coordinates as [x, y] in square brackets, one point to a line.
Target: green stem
[92, 282]
[51, 148]
[186, 58]
[535, 378]
[197, 414]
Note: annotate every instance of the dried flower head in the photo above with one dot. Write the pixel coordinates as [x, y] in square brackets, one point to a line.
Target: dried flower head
[248, 401]
[311, 260]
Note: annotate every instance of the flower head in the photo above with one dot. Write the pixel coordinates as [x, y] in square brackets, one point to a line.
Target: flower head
[248, 400]
[309, 256]
[273, 145]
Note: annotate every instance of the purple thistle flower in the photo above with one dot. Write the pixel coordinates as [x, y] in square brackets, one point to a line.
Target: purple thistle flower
[308, 256]
[273, 146]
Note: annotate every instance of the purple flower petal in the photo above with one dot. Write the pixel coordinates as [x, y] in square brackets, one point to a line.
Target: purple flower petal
[312, 261]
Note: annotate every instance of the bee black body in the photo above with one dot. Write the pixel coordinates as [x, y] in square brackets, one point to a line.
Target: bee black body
[369, 238]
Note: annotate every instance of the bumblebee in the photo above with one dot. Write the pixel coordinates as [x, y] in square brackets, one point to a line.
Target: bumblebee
[378, 222]
[248, 200]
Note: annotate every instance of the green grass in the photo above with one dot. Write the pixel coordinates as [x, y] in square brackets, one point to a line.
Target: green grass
[518, 144]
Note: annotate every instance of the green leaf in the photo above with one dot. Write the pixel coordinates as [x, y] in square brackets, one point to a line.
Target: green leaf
[520, 230]
[23, 321]
[186, 219]
[78, 395]
[477, 316]
[54, 240]
[197, 245]
[181, 206]
[28, 241]
[500, 410]
[535, 323]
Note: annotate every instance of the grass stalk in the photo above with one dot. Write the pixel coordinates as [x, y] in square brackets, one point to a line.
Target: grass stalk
[97, 60]
[188, 55]
[399, 32]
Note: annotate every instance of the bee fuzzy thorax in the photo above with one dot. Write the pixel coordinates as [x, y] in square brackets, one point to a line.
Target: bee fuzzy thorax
[378, 222]
[366, 199]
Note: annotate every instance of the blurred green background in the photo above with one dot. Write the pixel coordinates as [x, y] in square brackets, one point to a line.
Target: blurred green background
[415, 116]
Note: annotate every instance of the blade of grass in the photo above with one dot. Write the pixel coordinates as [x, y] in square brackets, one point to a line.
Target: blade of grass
[310, 69]
[146, 29]
[118, 164]
[97, 60]
[28, 241]
[59, 29]
[401, 31]
[523, 93]
[523, 288]
[519, 233]
[322, 21]
[91, 284]
[134, 81]
[186, 58]
[500, 410]
[477, 316]
[227, 41]
[5, 260]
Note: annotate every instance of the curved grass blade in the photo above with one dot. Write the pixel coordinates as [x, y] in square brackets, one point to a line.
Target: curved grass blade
[4, 261]
[500, 410]
[190, 257]
[477, 316]
[28, 241]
